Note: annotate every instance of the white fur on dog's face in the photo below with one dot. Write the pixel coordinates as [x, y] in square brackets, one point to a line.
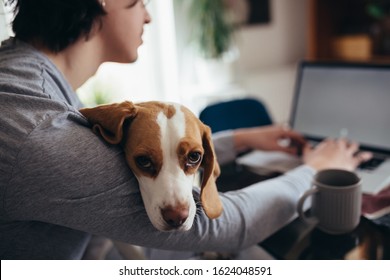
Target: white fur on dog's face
[161, 163]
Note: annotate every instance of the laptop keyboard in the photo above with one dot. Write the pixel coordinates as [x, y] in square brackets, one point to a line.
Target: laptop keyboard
[373, 163]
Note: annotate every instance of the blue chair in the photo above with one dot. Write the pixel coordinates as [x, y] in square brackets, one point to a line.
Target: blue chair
[237, 113]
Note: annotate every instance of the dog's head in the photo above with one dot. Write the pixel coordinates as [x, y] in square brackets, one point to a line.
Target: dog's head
[165, 145]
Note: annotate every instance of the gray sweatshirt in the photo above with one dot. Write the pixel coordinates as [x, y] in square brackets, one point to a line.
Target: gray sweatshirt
[60, 183]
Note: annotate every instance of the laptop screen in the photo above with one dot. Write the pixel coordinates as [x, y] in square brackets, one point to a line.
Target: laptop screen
[351, 100]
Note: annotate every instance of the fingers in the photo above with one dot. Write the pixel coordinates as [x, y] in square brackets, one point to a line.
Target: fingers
[362, 157]
[293, 135]
[342, 143]
[351, 147]
[291, 150]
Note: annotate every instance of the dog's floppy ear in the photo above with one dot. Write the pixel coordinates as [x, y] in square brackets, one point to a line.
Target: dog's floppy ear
[209, 197]
[107, 120]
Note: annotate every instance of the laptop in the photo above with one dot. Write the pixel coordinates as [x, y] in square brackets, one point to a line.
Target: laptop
[345, 100]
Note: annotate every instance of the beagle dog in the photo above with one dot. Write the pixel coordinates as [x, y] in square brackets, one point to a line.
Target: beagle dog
[165, 144]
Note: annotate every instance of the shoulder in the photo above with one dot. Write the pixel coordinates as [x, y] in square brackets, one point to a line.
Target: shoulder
[20, 67]
[26, 71]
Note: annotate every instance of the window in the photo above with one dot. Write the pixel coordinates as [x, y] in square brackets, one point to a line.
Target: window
[5, 19]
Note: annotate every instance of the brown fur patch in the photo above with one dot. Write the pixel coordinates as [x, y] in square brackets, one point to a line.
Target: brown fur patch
[170, 111]
[145, 138]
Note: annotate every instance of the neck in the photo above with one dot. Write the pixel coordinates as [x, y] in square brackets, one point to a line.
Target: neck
[79, 61]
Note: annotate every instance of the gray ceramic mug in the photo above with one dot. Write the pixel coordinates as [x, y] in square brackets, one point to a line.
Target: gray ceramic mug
[336, 201]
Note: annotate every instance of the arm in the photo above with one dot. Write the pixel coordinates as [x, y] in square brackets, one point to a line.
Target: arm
[67, 176]
[269, 138]
[229, 143]
[339, 153]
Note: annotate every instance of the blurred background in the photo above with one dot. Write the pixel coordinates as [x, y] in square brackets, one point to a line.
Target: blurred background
[198, 52]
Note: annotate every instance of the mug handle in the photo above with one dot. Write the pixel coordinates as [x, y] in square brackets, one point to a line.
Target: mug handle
[301, 201]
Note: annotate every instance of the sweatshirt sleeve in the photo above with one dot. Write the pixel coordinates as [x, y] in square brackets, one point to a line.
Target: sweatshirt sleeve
[224, 146]
[66, 175]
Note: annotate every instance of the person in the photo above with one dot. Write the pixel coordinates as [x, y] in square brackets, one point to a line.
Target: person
[59, 183]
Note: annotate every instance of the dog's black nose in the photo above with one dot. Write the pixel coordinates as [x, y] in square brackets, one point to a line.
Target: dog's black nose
[175, 216]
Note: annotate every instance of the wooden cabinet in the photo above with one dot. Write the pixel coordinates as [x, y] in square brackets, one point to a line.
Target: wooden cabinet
[343, 30]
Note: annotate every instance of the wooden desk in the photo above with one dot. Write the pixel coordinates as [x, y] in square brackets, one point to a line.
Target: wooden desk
[298, 240]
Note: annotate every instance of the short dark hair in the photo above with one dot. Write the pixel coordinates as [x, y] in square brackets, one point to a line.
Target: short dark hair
[55, 24]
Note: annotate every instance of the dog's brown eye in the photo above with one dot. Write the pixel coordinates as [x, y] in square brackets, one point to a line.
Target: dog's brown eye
[144, 162]
[194, 158]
